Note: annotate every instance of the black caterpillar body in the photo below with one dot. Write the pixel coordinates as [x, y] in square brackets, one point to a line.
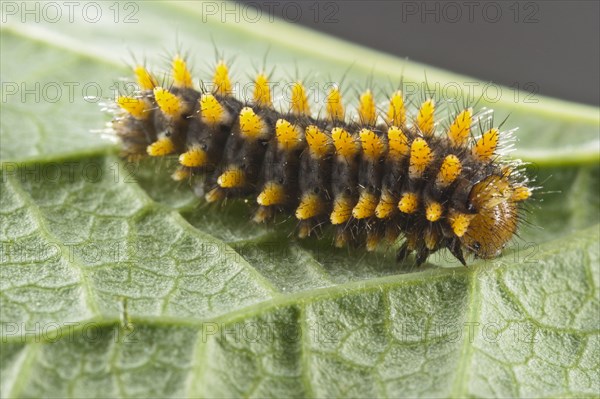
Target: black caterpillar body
[377, 177]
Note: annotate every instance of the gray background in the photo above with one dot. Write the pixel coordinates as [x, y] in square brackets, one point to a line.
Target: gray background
[550, 47]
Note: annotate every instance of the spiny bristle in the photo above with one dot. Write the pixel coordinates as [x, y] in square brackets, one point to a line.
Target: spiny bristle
[299, 102]
[263, 214]
[221, 81]
[460, 222]
[420, 157]
[341, 238]
[304, 229]
[431, 239]
[409, 203]
[262, 91]
[386, 206]
[449, 171]
[181, 75]
[334, 106]
[211, 110]
[373, 239]
[365, 208]
[344, 143]
[367, 111]
[170, 104]
[144, 79]
[289, 137]
[193, 158]
[233, 177]
[342, 210]
[161, 147]
[310, 206]
[272, 194]
[461, 128]
[433, 211]
[486, 146]
[252, 126]
[372, 145]
[181, 174]
[214, 195]
[136, 107]
[398, 143]
[319, 143]
[396, 115]
[425, 121]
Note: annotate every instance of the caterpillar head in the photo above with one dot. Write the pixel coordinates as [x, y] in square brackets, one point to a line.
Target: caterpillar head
[494, 219]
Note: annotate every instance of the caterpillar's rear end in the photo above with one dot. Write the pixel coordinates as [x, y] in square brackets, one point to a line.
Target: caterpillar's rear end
[374, 178]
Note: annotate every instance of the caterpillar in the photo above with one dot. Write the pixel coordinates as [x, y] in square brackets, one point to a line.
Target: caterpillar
[377, 177]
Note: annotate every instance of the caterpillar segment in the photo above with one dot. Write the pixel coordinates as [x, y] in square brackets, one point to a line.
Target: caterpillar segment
[376, 178]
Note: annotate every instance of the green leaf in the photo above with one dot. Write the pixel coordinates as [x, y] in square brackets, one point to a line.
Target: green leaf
[116, 281]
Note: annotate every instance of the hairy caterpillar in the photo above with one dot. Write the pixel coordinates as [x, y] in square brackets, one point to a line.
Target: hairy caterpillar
[376, 177]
